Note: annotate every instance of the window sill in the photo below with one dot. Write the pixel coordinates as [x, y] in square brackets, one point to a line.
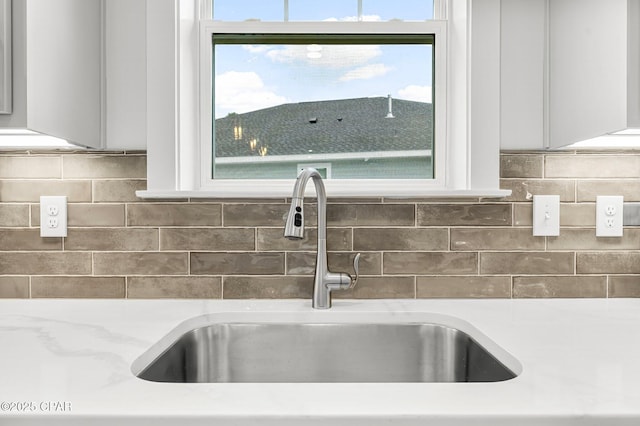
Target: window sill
[263, 193]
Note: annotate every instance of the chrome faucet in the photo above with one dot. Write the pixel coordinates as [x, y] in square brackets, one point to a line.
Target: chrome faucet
[324, 281]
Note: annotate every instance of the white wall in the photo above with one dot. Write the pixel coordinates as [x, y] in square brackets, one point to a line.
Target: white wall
[522, 74]
[126, 74]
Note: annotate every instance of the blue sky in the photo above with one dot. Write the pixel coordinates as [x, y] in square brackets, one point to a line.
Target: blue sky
[319, 10]
[253, 77]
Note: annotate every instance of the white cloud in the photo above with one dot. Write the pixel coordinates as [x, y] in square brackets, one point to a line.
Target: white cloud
[331, 56]
[366, 72]
[416, 93]
[366, 18]
[259, 48]
[371, 18]
[242, 92]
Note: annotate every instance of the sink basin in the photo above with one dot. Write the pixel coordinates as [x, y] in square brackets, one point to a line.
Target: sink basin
[324, 352]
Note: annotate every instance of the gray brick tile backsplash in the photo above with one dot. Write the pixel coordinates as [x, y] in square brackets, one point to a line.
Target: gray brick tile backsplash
[98, 166]
[121, 246]
[521, 166]
[14, 215]
[210, 239]
[14, 287]
[78, 287]
[464, 214]
[554, 287]
[592, 166]
[624, 286]
[370, 239]
[463, 287]
[268, 287]
[237, 263]
[110, 191]
[24, 191]
[30, 167]
[140, 263]
[534, 263]
[166, 214]
[188, 287]
[470, 239]
[588, 190]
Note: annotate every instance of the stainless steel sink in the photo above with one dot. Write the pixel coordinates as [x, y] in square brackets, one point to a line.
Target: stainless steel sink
[325, 352]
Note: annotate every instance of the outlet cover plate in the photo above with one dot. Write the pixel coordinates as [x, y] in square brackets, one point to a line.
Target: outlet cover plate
[609, 215]
[546, 215]
[53, 216]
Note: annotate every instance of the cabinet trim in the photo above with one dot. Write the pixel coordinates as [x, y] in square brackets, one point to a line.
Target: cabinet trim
[6, 106]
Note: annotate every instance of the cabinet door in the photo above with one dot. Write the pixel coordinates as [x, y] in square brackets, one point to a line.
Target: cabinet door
[64, 69]
[587, 70]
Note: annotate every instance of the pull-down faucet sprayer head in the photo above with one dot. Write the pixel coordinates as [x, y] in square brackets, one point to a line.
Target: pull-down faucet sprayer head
[294, 228]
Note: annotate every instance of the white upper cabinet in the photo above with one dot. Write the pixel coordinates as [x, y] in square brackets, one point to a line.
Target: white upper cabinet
[64, 61]
[79, 71]
[588, 68]
[57, 60]
[568, 71]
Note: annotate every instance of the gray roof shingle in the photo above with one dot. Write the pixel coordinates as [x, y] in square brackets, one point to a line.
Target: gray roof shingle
[336, 126]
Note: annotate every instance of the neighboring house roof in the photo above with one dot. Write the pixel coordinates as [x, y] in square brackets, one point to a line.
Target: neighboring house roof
[336, 126]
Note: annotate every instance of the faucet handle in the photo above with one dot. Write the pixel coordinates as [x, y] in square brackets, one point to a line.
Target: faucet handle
[356, 261]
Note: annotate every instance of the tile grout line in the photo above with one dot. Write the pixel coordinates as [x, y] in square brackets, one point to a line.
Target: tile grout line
[415, 286]
[61, 167]
[511, 284]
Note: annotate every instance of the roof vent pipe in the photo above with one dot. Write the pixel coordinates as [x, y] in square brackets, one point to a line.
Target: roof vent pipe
[390, 113]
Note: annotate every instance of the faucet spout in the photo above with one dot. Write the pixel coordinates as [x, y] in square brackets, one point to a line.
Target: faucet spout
[324, 281]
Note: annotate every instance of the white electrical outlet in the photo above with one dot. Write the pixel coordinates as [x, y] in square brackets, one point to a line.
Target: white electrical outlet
[609, 214]
[53, 216]
[546, 215]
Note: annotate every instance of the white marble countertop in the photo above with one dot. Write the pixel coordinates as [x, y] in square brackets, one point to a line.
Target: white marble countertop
[68, 362]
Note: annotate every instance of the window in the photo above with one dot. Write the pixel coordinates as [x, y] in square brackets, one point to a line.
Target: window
[355, 88]
[361, 104]
[181, 95]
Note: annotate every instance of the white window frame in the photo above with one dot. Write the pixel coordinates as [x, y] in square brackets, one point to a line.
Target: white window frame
[179, 118]
[335, 187]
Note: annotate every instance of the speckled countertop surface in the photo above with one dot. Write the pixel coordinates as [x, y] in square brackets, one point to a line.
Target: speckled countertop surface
[69, 362]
